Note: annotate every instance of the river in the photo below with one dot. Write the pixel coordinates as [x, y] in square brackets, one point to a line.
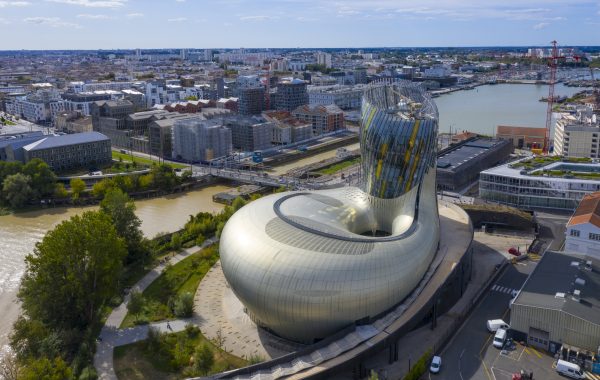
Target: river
[485, 107]
[19, 233]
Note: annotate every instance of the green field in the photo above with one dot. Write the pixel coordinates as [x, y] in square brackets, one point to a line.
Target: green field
[332, 169]
[183, 277]
[142, 160]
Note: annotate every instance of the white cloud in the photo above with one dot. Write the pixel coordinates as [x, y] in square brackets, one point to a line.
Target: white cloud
[180, 1]
[92, 3]
[306, 19]
[94, 17]
[6, 4]
[4, 21]
[177, 19]
[256, 18]
[54, 22]
[540, 25]
[134, 15]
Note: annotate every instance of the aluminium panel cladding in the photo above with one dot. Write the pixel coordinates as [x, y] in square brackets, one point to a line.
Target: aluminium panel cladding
[396, 151]
[306, 265]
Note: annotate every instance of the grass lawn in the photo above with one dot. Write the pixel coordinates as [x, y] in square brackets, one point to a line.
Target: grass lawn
[169, 357]
[6, 121]
[332, 169]
[142, 160]
[185, 276]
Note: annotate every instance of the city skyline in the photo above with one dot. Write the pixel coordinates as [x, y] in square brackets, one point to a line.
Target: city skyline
[111, 24]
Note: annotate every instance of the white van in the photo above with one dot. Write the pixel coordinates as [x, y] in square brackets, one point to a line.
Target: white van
[569, 369]
[500, 338]
[494, 324]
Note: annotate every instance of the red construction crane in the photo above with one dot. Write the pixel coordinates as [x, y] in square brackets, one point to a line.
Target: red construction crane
[552, 64]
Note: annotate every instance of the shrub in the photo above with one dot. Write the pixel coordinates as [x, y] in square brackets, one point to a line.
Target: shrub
[420, 367]
[88, 373]
[183, 306]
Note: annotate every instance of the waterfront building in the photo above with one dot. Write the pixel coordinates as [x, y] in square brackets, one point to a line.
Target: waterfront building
[308, 264]
[540, 184]
[577, 135]
[195, 139]
[459, 165]
[88, 150]
[249, 133]
[521, 137]
[324, 119]
[11, 144]
[583, 228]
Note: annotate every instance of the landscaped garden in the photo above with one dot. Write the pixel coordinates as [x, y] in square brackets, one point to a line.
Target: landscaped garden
[332, 169]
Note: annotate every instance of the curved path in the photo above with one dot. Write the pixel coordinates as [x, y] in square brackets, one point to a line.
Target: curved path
[112, 336]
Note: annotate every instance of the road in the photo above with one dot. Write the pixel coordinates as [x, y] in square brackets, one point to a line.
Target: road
[462, 358]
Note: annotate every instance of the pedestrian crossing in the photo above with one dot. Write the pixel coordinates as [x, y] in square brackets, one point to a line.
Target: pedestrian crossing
[592, 376]
[504, 289]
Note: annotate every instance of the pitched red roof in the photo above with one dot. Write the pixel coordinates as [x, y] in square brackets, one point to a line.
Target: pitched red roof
[588, 211]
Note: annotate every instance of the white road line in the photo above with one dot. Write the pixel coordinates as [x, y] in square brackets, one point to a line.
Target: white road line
[459, 367]
[494, 287]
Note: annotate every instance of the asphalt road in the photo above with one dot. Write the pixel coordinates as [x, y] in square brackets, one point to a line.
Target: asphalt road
[462, 358]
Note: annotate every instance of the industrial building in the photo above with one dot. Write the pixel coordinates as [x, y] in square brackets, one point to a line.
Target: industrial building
[559, 305]
[530, 184]
[459, 165]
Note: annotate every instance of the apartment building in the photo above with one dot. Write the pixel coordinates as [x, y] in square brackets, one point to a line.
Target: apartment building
[195, 139]
[324, 119]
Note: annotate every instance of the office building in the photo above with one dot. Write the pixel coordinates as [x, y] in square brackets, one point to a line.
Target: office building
[109, 117]
[195, 140]
[88, 150]
[324, 119]
[291, 94]
[527, 184]
[583, 228]
[577, 135]
[249, 133]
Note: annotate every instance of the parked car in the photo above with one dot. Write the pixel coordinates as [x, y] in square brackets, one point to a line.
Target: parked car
[500, 338]
[494, 324]
[567, 369]
[436, 364]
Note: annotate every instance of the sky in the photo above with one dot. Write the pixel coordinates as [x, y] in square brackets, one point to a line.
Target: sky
[129, 24]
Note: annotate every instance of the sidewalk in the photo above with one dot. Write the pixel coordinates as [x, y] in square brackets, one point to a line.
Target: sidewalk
[112, 336]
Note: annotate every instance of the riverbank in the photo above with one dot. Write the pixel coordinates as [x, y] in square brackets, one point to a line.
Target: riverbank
[20, 232]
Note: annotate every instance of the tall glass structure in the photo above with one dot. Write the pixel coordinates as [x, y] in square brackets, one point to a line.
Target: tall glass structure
[307, 264]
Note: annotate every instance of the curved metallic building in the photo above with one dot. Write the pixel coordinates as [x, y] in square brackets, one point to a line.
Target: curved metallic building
[307, 264]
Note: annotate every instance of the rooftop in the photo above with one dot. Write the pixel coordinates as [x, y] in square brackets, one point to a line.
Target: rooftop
[65, 140]
[553, 283]
[471, 150]
[555, 168]
[588, 211]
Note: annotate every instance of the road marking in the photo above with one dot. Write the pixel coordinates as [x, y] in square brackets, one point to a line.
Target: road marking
[535, 352]
[459, 366]
[494, 287]
[487, 372]
[502, 371]
[527, 350]
[591, 376]
[485, 345]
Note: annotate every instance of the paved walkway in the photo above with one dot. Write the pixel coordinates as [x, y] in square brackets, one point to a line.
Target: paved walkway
[112, 336]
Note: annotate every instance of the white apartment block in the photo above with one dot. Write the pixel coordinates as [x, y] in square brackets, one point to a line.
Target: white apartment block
[578, 135]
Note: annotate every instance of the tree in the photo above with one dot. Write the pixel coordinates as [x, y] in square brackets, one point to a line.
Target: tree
[135, 304]
[9, 168]
[121, 210]
[191, 97]
[77, 187]
[45, 369]
[164, 177]
[9, 366]
[184, 305]
[176, 241]
[17, 190]
[43, 179]
[60, 191]
[203, 359]
[73, 272]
